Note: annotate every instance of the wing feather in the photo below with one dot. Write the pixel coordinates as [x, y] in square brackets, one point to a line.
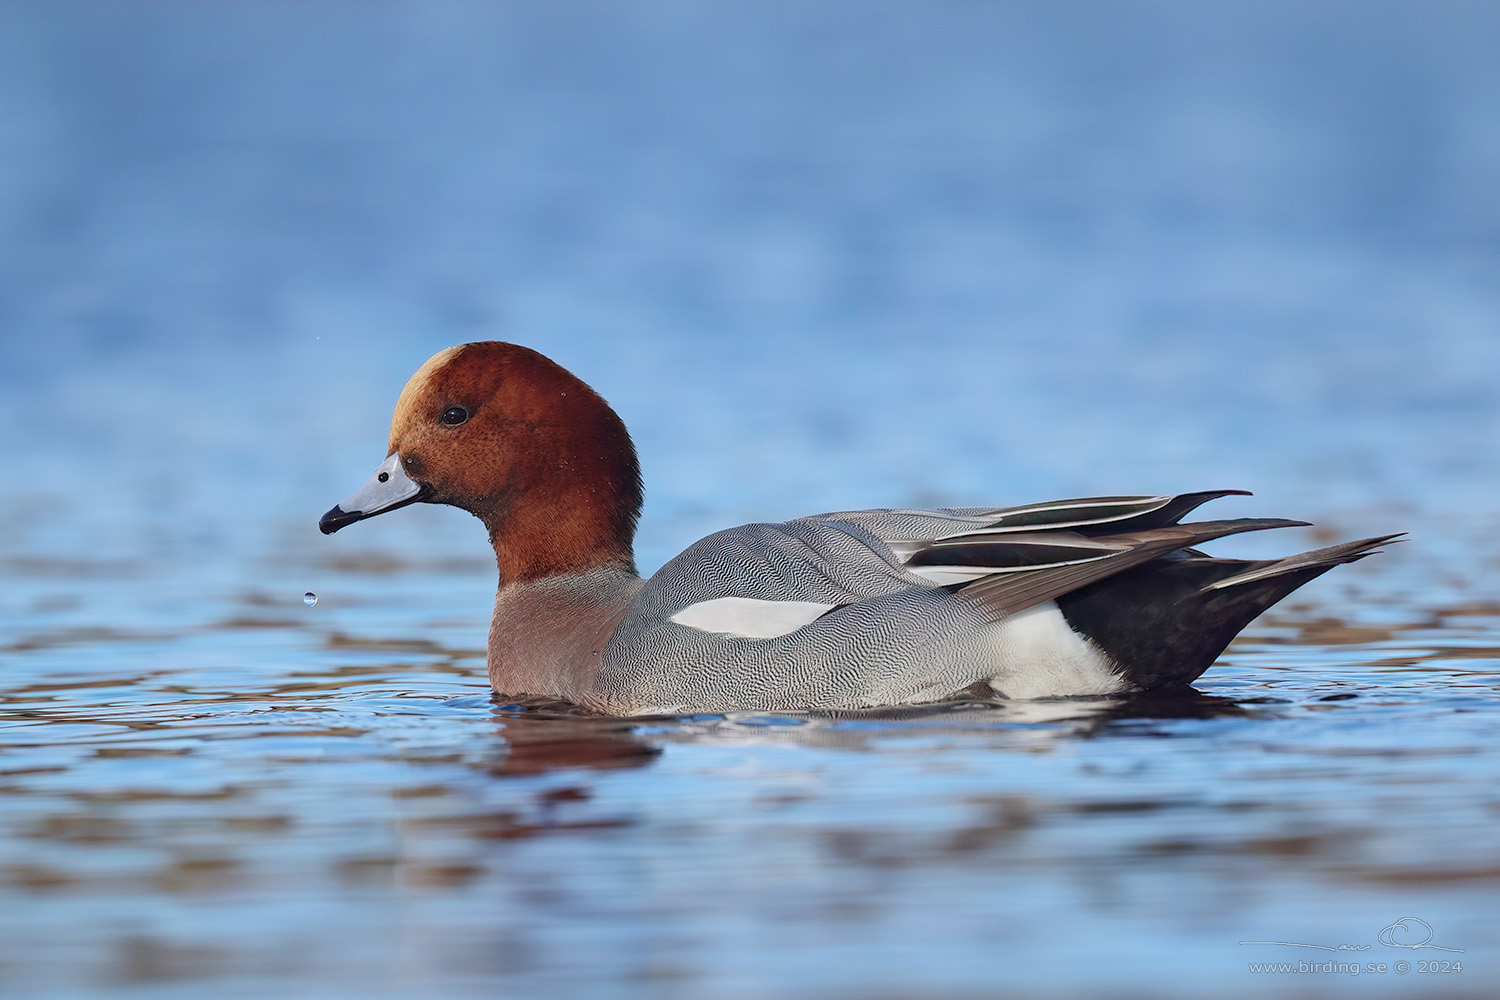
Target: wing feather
[1005, 594]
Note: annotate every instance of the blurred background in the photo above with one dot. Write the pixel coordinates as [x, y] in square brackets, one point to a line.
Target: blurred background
[820, 255]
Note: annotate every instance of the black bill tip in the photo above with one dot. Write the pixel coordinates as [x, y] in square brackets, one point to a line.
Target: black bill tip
[336, 519]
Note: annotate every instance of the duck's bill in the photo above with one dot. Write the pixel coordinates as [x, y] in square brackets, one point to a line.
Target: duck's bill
[388, 489]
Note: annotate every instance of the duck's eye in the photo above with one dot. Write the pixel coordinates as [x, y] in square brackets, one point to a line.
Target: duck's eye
[454, 415]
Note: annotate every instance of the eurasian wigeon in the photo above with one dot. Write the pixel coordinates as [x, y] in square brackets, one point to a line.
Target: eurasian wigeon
[833, 611]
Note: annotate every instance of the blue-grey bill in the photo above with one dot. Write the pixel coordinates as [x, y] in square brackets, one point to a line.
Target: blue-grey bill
[388, 489]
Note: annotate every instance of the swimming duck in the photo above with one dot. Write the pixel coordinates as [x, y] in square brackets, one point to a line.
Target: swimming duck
[846, 610]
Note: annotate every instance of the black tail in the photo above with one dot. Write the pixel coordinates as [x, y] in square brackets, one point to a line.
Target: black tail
[1166, 621]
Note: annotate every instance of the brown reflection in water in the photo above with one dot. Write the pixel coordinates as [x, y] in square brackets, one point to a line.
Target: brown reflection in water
[199, 875]
[553, 738]
[82, 828]
[62, 568]
[1001, 821]
[146, 960]
[388, 564]
[338, 640]
[1432, 640]
[1448, 653]
[440, 875]
[1329, 843]
[1333, 632]
[243, 622]
[79, 635]
[1326, 854]
[1421, 875]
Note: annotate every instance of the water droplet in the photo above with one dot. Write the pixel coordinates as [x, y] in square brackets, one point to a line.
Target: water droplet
[309, 598]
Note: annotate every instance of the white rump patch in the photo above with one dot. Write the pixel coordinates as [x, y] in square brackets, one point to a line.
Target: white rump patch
[1047, 659]
[749, 616]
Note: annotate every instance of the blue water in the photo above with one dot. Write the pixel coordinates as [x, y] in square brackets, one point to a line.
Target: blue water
[819, 256]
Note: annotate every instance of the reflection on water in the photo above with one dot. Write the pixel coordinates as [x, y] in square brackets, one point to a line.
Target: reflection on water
[271, 798]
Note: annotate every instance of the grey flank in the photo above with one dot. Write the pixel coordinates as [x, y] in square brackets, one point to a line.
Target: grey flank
[895, 637]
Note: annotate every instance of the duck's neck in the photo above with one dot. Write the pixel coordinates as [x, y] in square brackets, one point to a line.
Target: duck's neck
[562, 538]
[548, 636]
[571, 498]
[574, 530]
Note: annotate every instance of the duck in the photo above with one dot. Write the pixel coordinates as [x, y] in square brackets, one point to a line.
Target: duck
[840, 611]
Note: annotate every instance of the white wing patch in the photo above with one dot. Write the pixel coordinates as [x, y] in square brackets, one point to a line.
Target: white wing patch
[750, 617]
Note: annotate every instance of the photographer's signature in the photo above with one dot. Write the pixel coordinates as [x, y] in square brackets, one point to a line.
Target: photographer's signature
[1402, 933]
